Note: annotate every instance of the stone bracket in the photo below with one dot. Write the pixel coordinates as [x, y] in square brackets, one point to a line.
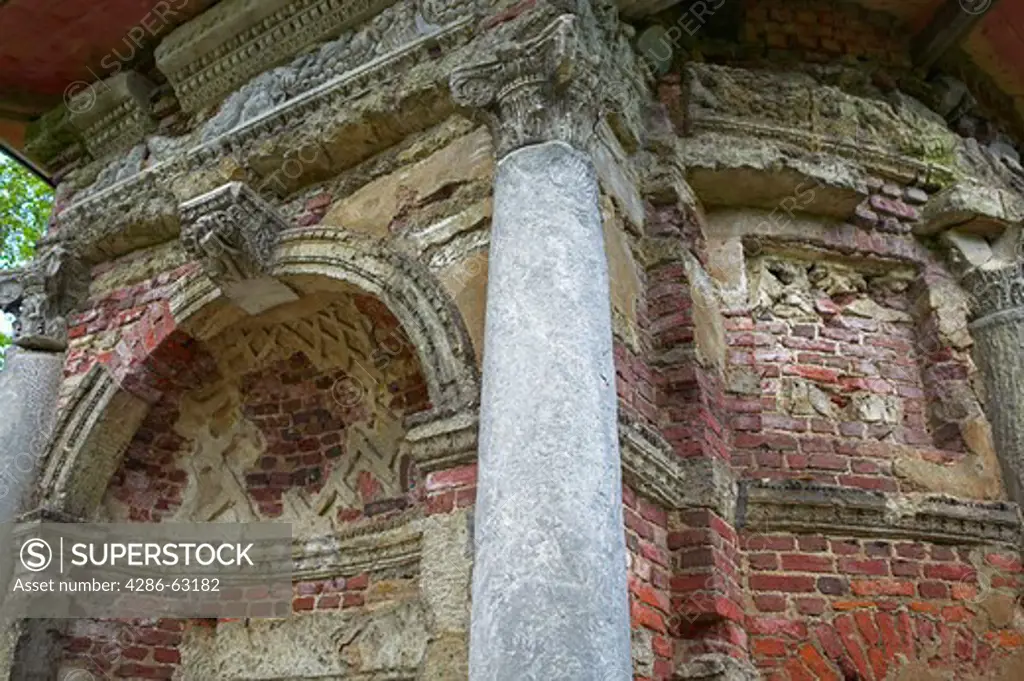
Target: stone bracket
[795, 506]
[232, 233]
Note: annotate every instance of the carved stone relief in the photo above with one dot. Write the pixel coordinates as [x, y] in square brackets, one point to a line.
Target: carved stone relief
[540, 90]
[212, 55]
[42, 294]
[231, 232]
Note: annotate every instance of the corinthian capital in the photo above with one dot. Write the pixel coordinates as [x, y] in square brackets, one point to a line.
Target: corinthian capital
[997, 290]
[41, 295]
[536, 91]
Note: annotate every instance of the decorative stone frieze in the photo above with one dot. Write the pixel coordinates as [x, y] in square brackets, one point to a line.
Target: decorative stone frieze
[115, 114]
[540, 90]
[41, 295]
[217, 52]
[795, 506]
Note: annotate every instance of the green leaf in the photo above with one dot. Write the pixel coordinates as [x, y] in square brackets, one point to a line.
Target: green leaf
[25, 206]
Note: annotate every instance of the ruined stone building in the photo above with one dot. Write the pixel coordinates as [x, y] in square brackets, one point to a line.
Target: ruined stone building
[748, 402]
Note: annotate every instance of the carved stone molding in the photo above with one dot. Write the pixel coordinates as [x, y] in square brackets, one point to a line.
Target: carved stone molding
[42, 294]
[443, 443]
[655, 471]
[426, 312]
[217, 52]
[795, 506]
[113, 115]
[331, 556]
[540, 90]
[231, 232]
[142, 211]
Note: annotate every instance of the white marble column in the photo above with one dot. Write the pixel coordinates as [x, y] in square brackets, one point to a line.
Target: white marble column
[549, 577]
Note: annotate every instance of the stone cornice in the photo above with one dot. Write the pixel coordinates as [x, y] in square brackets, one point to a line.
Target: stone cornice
[794, 506]
[651, 466]
[214, 54]
[113, 115]
[539, 90]
[142, 210]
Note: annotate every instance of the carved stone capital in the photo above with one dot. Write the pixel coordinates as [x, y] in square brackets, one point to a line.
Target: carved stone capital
[232, 233]
[41, 295]
[997, 290]
[540, 90]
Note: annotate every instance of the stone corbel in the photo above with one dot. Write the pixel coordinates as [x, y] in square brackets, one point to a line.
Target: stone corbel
[41, 295]
[540, 90]
[232, 233]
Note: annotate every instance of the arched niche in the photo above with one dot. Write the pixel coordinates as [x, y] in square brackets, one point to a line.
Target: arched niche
[202, 341]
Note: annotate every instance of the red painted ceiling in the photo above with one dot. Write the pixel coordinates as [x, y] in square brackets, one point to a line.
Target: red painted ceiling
[47, 44]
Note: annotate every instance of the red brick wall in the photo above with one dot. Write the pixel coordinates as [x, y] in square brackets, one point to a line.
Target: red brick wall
[840, 608]
[816, 31]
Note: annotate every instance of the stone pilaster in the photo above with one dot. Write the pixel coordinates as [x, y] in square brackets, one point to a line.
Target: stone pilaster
[998, 332]
[549, 577]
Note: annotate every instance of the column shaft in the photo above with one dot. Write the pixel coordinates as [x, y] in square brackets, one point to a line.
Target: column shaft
[29, 384]
[999, 353]
[549, 583]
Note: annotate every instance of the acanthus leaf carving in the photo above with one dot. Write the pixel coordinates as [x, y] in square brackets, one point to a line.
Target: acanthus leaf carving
[42, 294]
[536, 91]
[997, 290]
[231, 232]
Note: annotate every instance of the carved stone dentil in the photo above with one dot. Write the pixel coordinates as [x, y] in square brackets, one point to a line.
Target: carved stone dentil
[231, 232]
[540, 90]
[41, 295]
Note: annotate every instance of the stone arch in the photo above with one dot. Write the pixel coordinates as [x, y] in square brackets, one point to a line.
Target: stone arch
[110, 403]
